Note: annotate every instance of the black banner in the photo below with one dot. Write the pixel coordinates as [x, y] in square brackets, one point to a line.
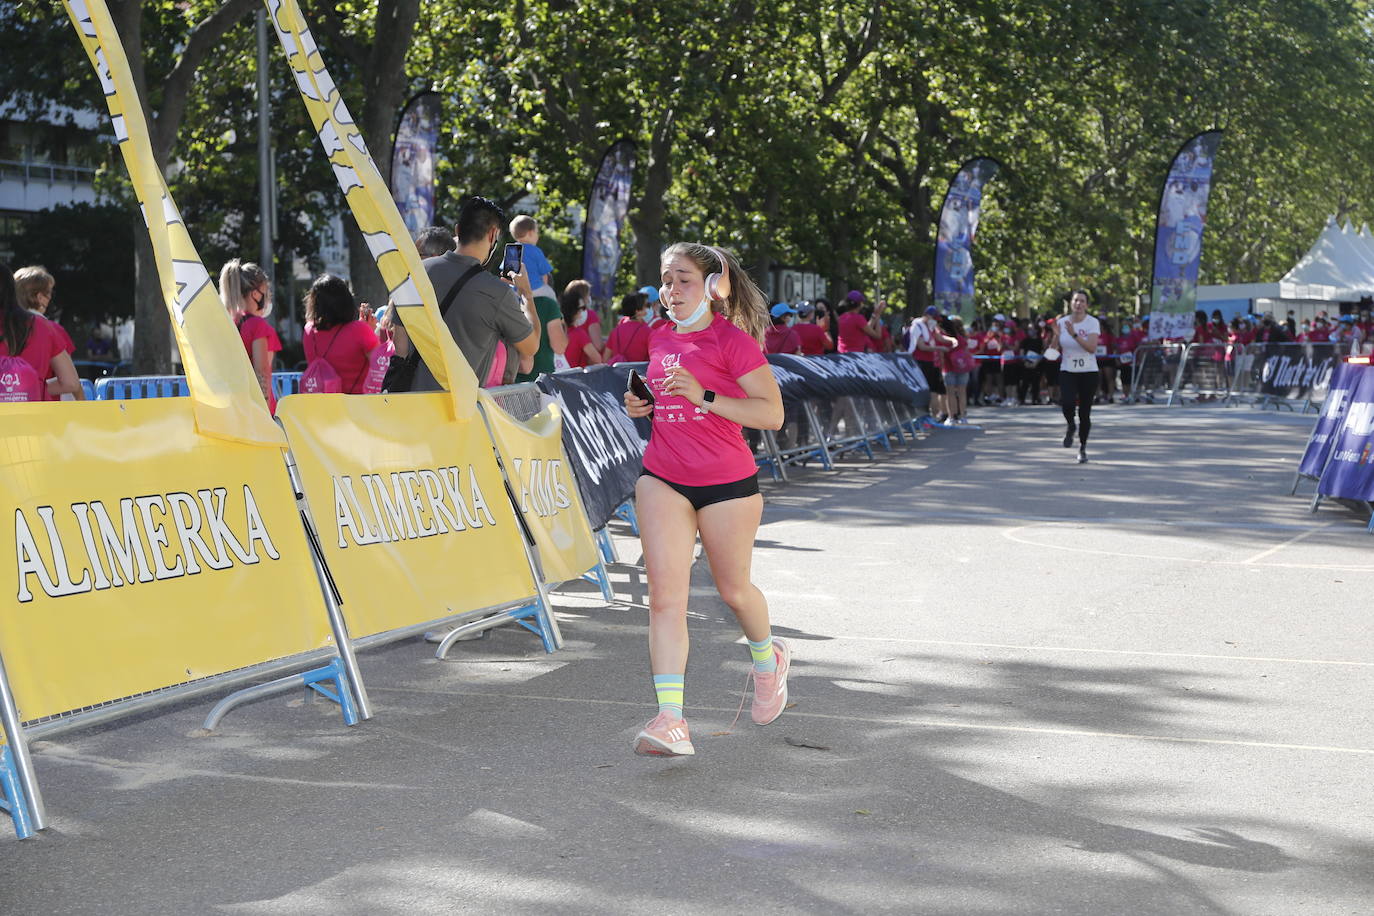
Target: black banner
[1296, 371]
[892, 376]
[605, 446]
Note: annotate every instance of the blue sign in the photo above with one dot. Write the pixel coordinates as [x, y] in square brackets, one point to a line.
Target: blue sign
[412, 162]
[953, 285]
[1349, 473]
[606, 212]
[1178, 237]
[1333, 412]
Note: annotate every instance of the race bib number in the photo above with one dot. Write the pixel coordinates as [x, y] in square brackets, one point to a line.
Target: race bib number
[1127, 358]
[1101, 350]
[1078, 364]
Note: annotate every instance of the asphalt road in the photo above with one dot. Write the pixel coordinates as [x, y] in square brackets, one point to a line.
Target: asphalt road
[1021, 685]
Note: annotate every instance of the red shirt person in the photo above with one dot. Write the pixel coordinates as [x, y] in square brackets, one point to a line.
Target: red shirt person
[247, 295]
[857, 334]
[335, 333]
[814, 339]
[782, 337]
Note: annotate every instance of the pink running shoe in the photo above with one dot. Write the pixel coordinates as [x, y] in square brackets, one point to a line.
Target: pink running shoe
[664, 736]
[770, 688]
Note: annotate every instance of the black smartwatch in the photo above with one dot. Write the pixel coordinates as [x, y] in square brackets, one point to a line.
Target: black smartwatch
[708, 397]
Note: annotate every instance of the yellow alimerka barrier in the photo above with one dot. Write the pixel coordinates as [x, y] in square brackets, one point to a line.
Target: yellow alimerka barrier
[410, 507]
[547, 494]
[141, 554]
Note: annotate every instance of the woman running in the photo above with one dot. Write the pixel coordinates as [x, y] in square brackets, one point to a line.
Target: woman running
[1078, 372]
[709, 378]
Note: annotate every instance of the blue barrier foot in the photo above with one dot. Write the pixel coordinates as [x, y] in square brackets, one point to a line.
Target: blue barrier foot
[12, 798]
[602, 579]
[333, 673]
[530, 617]
[626, 513]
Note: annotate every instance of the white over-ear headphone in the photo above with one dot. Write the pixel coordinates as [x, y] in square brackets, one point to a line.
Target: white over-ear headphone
[717, 284]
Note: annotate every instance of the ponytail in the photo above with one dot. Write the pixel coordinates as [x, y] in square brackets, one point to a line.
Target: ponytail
[236, 280]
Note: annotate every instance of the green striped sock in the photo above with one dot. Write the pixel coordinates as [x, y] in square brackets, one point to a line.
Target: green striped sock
[669, 688]
[762, 653]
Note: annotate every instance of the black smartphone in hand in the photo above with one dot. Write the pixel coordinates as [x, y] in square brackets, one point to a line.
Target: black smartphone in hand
[513, 257]
[639, 389]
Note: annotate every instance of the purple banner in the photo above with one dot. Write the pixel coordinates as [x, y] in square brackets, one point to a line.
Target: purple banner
[607, 208]
[953, 285]
[412, 162]
[1178, 237]
[1349, 473]
[1333, 412]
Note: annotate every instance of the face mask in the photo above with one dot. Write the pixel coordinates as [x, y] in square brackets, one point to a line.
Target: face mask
[581, 319]
[692, 318]
[791, 321]
[647, 317]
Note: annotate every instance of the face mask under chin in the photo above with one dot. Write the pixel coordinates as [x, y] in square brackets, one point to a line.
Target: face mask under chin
[693, 318]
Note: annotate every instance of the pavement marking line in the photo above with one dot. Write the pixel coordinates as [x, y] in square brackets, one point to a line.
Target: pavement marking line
[1288, 543]
[1043, 519]
[922, 723]
[1010, 534]
[637, 627]
[998, 645]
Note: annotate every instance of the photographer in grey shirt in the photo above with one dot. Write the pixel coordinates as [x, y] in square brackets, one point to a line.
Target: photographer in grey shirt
[486, 313]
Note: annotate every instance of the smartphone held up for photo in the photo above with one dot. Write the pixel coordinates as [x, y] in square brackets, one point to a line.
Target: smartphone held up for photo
[512, 259]
[639, 389]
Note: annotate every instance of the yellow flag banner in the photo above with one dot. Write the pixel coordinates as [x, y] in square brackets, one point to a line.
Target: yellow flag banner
[546, 491]
[225, 397]
[141, 554]
[410, 507]
[370, 200]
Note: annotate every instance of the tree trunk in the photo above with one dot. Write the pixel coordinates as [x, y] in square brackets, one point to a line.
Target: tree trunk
[385, 90]
[763, 262]
[647, 213]
[152, 327]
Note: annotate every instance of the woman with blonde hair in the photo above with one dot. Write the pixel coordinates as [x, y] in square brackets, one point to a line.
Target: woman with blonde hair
[30, 338]
[34, 288]
[247, 295]
[709, 378]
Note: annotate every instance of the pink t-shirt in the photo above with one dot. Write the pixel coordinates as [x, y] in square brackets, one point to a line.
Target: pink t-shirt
[347, 348]
[254, 327]
[690, 447]
[814, 340]
[852, 339]
[782, 339]
[578, 338]
[45, 341]
[629, 341]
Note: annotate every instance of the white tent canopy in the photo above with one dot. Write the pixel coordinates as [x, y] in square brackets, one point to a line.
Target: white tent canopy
[1339, 267]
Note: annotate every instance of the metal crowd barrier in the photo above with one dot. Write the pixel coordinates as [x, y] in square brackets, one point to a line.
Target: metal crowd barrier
[1291, 376]
[1203, 373]
[1156, 369]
